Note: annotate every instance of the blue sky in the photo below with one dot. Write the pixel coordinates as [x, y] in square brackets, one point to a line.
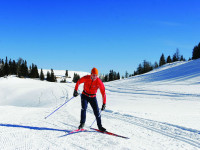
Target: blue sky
[106, 34]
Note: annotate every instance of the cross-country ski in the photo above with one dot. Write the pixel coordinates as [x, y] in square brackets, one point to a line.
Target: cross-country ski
[77, 130]
[109, 133]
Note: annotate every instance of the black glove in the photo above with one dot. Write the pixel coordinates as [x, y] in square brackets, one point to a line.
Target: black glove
[103, 107]
[75, 93]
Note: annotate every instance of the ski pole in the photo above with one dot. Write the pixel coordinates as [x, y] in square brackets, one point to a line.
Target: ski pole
[58, 108]
[96, 119]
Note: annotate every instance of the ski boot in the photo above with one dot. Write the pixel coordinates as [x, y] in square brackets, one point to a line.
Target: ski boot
[101, 128]
[81, 126]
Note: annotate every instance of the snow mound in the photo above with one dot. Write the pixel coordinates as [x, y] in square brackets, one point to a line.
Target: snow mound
[30, 92]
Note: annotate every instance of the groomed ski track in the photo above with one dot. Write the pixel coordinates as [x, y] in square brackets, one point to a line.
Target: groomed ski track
[53, 135]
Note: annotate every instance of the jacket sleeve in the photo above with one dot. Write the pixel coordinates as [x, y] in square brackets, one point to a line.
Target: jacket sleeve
[102, 90]
[81, 80]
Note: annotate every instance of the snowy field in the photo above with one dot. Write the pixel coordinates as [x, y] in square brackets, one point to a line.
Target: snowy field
[159, 110]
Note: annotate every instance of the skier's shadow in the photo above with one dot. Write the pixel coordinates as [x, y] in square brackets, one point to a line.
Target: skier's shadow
[69, 132]
[32, 127]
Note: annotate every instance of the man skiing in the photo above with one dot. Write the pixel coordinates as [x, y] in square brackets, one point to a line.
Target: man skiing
[91, 84]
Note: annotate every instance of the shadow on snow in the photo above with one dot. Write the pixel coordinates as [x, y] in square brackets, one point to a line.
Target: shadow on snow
[32, 128]
[69, 132]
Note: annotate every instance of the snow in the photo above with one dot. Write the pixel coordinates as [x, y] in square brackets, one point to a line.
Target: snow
[156, 110]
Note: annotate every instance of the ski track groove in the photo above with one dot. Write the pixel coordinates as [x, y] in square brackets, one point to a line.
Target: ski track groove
[150, 92]
[65, 92]
[172, 131]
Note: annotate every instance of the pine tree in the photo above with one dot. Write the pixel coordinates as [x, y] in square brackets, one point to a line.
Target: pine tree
[162, 60]
[156, 65]
[174, 59]
[66, 73]
[182, 58]
[52, 77]
[196, 52]
[76, 78]
[111, 75]
[19, 64]
[176, 56]
[106, 78]
[169, 60]
[10, 66]
[41, 75]
[48, 76]
[140, 69]
[135, 73]
[114, 75]
[33, 71]
[6, 68]
[147, 66]
[36, 72]
[14, 67]
[24, 69]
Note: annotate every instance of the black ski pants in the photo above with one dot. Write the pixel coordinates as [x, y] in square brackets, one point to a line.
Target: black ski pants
[94, 104]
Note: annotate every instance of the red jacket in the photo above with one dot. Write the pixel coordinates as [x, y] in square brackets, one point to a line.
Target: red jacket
[90, 87]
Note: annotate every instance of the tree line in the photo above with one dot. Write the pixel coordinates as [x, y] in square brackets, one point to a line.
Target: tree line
[147, 66]
[111, 76]
[18, 68]
[21, 70]
[144, 67]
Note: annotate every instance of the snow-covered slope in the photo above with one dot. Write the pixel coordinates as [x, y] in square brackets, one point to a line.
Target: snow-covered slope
[156, 110]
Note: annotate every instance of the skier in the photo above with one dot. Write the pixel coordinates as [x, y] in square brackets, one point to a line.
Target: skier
[91, 84]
